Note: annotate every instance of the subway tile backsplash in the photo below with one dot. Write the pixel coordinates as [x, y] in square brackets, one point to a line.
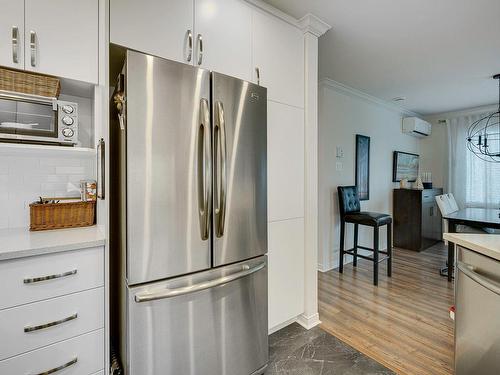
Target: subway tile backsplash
[24, 178]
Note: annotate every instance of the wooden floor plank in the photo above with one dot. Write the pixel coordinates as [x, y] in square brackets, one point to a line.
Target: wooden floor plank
[403, 323]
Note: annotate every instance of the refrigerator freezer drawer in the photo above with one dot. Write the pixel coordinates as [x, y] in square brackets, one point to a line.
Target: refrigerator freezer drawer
[477, 319]
[210, 323]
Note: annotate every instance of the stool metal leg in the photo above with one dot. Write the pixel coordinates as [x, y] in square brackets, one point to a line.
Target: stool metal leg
[375, 255]
[389, 250]
[355, 258]
[341, 260]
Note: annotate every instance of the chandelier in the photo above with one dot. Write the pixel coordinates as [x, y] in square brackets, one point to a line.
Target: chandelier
[483, 136]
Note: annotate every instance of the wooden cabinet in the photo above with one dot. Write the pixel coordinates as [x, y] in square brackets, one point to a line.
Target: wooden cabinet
[161, 28]
[12, 34]
[61, 38]
[417, 220]
[278, 54]
[225, 29]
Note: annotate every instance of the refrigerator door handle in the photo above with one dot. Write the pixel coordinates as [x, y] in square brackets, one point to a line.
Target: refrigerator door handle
[221, 166]
[204, 170]
[482, 280]
[169, 293]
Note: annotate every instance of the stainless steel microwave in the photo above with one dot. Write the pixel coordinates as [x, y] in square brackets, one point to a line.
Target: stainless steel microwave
[28, 118]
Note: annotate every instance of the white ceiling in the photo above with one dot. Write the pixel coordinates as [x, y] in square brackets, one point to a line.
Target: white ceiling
[439, 54]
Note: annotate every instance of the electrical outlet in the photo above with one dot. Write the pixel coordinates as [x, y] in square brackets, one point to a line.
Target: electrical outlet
[339, 166]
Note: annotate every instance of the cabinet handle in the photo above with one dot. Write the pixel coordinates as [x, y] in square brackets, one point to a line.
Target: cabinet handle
[200, 48]
[257, 72]
[15, 44]
[49, 277]
[33, 47]
[101, 169]
[189, 45]
[56, 369]
[51, 324]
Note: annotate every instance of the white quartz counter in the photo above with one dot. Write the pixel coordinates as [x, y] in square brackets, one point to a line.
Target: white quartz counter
[486, 244]
[20, 242]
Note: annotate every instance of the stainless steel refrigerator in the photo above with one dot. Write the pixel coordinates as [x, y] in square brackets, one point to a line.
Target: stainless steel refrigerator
[189, 235]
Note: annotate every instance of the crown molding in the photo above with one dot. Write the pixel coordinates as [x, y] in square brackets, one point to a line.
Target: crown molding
[314, 25]
[275, 12]
[461, 113]
[349, 91]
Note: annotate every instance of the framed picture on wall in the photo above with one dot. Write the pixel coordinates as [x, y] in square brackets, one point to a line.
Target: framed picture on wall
[363, 166]
[405, 165]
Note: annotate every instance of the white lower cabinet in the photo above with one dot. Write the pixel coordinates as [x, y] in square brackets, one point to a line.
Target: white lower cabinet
[285, 161]
[286, 270]
[52, 313]
[31, 326]
[81, 355]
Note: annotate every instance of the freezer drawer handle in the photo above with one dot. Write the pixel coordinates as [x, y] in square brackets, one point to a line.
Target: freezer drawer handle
[51, 324]
[482, 280]
[168, 293]
[49, 277]
[57, 369]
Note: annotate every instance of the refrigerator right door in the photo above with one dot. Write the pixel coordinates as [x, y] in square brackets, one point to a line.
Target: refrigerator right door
[239, 123]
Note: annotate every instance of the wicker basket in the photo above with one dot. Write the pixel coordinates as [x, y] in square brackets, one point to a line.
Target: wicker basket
[61, 215]
[29, 83]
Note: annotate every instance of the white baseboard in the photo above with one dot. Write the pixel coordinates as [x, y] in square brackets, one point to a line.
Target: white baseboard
[308, 322]
[282, 325]
[333, 262]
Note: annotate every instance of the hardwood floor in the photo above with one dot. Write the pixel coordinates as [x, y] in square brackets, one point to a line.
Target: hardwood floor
[403, 323]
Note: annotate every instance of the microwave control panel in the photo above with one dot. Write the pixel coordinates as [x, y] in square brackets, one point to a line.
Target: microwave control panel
[67, 122]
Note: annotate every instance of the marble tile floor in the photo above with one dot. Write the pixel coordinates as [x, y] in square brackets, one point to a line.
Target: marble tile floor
[295, 351]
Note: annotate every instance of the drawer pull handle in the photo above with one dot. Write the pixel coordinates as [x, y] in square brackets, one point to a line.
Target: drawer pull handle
[49, 277]
[56, 369]
[51, 324]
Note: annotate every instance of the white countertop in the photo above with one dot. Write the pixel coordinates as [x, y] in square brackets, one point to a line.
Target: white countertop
[486, 244]
[20, 242]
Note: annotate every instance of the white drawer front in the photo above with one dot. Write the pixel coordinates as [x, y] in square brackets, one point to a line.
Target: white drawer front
[24, 328]
[72, 271]
[88, 350]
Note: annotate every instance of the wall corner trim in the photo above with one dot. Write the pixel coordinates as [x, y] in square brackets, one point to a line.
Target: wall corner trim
[352, 92]
[314, 25]
[308, 322]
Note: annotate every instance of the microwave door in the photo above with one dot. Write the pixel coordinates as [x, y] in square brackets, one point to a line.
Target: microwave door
[168, 173]
[28, 118]
[239, 133]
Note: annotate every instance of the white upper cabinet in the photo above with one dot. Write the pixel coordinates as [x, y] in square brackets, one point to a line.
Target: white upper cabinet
[224, 30]
[61, 38]
[12, 33]
[278, 53]
[157, 27]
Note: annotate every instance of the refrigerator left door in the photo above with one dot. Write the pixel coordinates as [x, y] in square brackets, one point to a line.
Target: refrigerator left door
[168, 168]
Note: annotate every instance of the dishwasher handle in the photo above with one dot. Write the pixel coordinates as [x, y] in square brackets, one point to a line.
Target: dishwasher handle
[168, 293]
[482, 280]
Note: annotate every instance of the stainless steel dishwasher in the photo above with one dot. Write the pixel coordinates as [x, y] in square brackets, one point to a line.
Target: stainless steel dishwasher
[477, 318]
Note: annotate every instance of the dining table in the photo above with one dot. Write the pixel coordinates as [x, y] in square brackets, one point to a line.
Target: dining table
[480, 218]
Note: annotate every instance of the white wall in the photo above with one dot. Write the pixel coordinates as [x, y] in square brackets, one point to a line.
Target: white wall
[434, 154]
[343, 113]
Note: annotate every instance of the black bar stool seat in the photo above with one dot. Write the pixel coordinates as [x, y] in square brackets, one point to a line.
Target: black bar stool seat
[350, 212]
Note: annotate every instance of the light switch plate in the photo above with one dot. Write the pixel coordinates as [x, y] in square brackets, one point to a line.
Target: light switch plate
[340, 152]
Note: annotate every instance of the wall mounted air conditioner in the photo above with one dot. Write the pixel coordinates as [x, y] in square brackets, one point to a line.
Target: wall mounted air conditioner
[416, 127]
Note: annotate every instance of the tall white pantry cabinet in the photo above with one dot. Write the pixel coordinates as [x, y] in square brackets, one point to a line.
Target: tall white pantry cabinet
[237, 38]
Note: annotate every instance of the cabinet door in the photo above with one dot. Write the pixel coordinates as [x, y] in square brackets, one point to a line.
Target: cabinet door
[61, 38]
[12, 27]
[157, 27]
[286, 270]
[285, 161]
[278, 53]
[225, 29]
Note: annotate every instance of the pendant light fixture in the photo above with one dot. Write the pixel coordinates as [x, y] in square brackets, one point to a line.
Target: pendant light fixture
[483, 136]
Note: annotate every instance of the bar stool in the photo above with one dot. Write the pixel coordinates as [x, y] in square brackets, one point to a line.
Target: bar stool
[350, 212]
